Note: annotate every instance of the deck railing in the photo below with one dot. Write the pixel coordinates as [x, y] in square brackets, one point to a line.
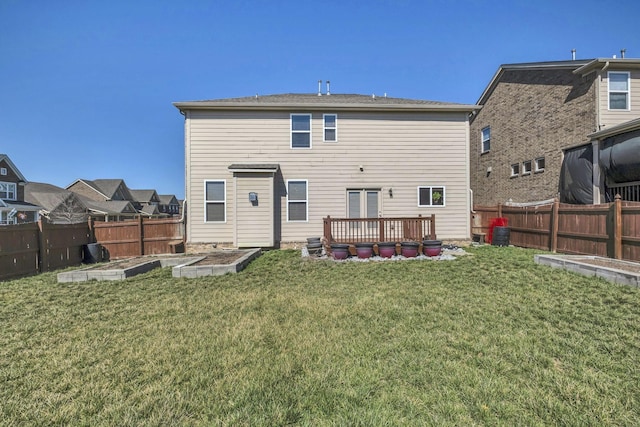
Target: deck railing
[357, 230]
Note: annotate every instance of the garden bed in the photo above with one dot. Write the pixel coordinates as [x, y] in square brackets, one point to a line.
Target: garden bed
[613, 270]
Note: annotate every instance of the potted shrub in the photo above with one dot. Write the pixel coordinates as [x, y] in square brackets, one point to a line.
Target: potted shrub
[364, 250]
[386, 249]
[340, 250]
[432, 247]
[409, 249]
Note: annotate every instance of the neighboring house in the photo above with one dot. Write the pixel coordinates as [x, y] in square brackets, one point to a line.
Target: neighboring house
[13, 207]
[59, 206]
[101, 190]
[145, 197]
[542, 128]
[113, 210]
[169, 204]
[265, 170]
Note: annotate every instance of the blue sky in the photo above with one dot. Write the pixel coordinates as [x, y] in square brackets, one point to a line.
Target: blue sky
[86, 87]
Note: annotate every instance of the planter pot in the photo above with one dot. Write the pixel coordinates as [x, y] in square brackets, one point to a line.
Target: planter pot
[387, 249]
[340, 251]
[432, 247]
[500, 236]
[313, 240]
[409, 249]
[315, 248]
[364, 250]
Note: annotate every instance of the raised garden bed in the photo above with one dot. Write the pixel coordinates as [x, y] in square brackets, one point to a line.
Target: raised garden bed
[232, 262]
[613, 270]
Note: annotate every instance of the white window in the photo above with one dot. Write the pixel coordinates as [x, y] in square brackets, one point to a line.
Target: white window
[297, 202]
[486, 139]
[330, 127]
[539, 164]
[430, 196]
[8, 190]
[618, 90]
[6, 220]
[3, 171]
[526, 167]
[215, 201]
[301, 131]
[515, 170]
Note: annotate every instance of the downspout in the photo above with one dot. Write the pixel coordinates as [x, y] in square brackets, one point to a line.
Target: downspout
[471, 201]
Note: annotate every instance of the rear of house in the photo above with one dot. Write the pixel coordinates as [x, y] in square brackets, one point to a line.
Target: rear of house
[265, 170]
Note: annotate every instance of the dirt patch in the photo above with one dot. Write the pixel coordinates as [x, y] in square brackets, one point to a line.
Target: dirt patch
[221, 258]
[122, 263]
[611, 263]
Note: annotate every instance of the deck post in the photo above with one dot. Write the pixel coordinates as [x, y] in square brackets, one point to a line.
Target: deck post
[553, 238]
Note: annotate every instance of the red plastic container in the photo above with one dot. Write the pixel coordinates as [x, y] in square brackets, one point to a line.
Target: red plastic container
[496, 222]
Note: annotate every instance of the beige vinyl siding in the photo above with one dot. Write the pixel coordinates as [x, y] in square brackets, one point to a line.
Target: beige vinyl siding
[396, 150]
[609, 118]
[254, 224]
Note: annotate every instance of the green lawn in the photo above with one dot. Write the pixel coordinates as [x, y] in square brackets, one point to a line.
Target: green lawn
[488, 339]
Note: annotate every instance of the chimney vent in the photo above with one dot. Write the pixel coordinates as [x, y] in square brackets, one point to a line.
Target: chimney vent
[319, 87]
[573, 54]
[622, 52]
[328, 87]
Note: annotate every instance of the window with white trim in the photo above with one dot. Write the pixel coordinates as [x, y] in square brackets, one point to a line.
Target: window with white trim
[526, 167]
[215, 201]
[619, 90]
[330, 127]
[3, 171]
[539, 164]
[8, 190]
[515, 170]
[300, 130]
[430, 196]
[6, 220]
[486, 140]
[297, 200]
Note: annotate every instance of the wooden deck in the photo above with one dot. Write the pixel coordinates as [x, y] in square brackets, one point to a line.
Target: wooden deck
[360, 230]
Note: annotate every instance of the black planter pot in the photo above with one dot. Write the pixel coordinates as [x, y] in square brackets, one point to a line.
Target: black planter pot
[432, 247]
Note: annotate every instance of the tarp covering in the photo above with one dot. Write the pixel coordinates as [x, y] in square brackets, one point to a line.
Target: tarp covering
[620, 158]
[576, 176]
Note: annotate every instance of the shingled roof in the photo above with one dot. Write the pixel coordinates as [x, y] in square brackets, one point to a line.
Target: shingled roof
[314, 101]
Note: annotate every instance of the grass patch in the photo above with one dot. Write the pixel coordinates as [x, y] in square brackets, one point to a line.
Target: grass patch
[488, 339]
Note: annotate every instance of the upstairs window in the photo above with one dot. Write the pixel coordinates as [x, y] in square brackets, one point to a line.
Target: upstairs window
[330, 127]
[8, 190]
[618, 91]
[301, 131]
[215, 201]
[430, 196]
[297, 202]
[515, 170]
[539, 164]
[486, 139]
[3, 171]
[526, 167]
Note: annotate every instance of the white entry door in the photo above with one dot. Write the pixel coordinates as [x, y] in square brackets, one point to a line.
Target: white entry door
[364, 203]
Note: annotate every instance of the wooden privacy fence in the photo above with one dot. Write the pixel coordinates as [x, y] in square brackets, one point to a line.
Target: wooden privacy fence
[358, 230]
[33, 248]
[609, 229]
[142, 236]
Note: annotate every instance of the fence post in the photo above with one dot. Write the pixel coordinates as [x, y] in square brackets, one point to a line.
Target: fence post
[553, 238]
[617, 227]
[92, 232]
[499, 210]
[43, 259]
[140, 236]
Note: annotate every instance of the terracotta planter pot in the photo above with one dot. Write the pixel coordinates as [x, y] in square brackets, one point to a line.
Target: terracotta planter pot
[364, 250]
[387, 249]
[432, 247]
[340, 251]
[409, 249]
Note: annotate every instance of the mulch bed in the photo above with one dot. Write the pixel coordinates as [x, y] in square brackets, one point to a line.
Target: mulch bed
[221, 258]
[611, 263]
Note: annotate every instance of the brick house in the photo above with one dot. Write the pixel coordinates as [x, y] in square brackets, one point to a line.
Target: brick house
[535, 114]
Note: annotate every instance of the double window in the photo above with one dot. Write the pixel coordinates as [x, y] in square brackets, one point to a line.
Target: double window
[8, 190]
[215, 201]
[486, 140]
[431, 196]
[297, 200]
[300, 130]
[618, 90]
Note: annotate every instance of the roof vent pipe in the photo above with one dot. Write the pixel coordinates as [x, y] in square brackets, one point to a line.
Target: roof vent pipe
[573, 54]
[319, 87]
[622, 52]
[328, 87]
